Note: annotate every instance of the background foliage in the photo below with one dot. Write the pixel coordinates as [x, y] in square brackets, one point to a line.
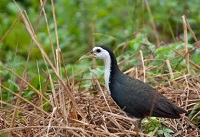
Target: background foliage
[83, 24]
[112, 23]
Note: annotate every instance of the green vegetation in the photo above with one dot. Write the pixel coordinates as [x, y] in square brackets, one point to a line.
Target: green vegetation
[152, 30]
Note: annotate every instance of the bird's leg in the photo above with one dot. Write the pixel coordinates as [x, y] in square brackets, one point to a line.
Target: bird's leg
[137, 127]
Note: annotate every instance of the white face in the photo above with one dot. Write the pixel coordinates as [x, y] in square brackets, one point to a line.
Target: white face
[100, 53]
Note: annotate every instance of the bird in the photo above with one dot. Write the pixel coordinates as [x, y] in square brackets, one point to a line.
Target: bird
[136, 98]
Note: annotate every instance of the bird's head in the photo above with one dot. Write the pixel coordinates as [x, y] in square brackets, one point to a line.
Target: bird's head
[98, 53]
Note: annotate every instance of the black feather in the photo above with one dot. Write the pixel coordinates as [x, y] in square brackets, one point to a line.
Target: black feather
[137, 98]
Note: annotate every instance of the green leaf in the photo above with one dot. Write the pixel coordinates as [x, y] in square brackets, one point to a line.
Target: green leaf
[160, 132]
[168, 130]
[167, 134]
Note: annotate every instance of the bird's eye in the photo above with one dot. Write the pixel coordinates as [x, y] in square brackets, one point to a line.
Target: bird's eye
[98, 50]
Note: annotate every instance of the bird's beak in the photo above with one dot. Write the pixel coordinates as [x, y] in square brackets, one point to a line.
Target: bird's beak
[88, 55]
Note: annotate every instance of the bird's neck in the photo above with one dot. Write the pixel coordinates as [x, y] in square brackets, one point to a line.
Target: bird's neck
[111, 69]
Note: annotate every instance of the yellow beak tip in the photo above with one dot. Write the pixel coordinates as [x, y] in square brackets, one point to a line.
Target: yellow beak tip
[86, 56]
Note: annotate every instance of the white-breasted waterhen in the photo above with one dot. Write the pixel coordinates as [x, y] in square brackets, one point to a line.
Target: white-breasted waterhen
[135, 97]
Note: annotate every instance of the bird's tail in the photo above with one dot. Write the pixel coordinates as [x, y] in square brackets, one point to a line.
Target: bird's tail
[180, 110]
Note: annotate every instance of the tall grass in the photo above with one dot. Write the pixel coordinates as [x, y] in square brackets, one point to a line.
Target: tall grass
[56, 104]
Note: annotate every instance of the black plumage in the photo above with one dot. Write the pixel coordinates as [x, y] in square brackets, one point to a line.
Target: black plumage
[135, 97]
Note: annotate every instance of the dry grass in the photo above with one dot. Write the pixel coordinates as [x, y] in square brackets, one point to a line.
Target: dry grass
[98, 117]
[80, 113]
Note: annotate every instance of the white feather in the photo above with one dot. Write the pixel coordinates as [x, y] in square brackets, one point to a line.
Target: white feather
[107, 63]
[105, 56]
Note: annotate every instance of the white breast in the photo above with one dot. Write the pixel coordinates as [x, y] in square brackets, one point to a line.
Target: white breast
[107, 62]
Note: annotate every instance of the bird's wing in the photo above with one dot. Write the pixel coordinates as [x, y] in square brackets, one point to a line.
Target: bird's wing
[139, 98]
